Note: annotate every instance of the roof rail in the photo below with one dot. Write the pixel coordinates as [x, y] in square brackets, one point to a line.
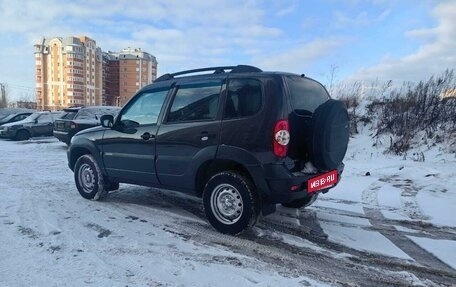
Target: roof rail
[216, 70]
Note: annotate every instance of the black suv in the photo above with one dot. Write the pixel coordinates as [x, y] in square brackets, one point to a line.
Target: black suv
[240, 138]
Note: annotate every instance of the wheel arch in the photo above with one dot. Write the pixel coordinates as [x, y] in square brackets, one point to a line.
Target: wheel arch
[233, 158]
[212, 167]
[23, 130]
[80, 148]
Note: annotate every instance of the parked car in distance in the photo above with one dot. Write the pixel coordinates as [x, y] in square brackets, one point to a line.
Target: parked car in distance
[15, 117]
[242, 139]
[37, 124]
[80, 118]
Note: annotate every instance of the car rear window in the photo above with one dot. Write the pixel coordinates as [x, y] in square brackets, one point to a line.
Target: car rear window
[69, 115]
[96, 113]
[305, 94]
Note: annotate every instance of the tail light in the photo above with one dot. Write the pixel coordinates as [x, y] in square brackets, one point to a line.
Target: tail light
[281, 138]
[73, 125]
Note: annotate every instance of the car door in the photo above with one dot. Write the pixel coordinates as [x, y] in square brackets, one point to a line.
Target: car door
[128, 149]
[189, 135]
[43, 125]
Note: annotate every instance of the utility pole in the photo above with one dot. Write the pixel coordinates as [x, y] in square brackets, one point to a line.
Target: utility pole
[3, 102]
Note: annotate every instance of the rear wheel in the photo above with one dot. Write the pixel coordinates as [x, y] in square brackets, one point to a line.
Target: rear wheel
[22, 135]
[302, 202]
[231, 203]
[89, 179]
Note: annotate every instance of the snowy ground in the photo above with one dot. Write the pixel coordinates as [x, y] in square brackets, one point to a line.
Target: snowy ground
[396, 227]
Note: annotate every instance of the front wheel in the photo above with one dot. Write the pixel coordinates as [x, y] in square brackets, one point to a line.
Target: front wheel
[231, 203]
[22, 135]
[89, 179]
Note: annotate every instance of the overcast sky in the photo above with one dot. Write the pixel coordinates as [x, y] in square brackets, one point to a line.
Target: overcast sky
[406, 40]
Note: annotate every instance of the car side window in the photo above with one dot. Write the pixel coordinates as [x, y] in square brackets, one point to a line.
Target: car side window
[195, 102]
[144, 110]
[244, 98]
[20, 117]
[44, 119]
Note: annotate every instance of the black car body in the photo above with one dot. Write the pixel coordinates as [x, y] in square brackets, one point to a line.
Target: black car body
[37, 124]
[80, 118]
[244, 140]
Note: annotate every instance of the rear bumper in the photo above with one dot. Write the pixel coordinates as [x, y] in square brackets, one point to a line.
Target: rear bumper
[62, 136]
[280, 182]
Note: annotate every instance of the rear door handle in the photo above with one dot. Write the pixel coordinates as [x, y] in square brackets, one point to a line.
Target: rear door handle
[147, 136]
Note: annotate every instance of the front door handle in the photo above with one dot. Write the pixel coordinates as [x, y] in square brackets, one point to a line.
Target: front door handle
[204, 136]
[146, 136]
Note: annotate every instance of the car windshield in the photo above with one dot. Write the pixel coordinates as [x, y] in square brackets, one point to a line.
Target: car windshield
[7, 112]
[8, 117]
[96, 113]
[32, 117]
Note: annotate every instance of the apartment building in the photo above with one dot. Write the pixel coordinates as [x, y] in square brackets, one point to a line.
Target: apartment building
[110, 79]
[68, 72]
[73, 71]
[135, 69]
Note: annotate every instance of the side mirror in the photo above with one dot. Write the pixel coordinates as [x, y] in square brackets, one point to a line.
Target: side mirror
[107, 121]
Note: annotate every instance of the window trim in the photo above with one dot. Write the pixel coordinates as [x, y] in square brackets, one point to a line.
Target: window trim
[288, 92]
[226, 98]
[169, 89]
[221, 82]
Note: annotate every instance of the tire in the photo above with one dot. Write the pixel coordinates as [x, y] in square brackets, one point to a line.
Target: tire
[111, 186]
[302, 202]
[89, 179]
[330, 134]
[231, 203]
[22, 135]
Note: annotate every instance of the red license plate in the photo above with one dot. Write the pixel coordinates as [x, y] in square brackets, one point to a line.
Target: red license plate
[322, 181]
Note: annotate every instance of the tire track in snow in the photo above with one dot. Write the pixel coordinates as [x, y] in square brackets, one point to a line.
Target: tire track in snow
[264, 248]
[409, 202]
[417, 228]
[373, 212]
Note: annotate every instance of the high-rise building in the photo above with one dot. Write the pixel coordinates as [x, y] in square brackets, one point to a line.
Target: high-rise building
[73, 71]
[110, 79]
[135, 69]
[68, 72]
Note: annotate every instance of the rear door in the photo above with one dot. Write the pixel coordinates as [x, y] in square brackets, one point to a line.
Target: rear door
[43, 126]
[190, 132]
[305, 96]
[129, 147]
[244, 125]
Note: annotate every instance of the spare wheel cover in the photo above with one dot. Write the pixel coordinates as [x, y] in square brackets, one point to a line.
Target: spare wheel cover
[330, 133]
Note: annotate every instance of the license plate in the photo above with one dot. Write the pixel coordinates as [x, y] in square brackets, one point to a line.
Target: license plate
[322, 181]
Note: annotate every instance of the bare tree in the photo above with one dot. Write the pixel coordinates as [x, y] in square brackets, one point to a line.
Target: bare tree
[332, 78]
[418, 109]
[351, 96]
